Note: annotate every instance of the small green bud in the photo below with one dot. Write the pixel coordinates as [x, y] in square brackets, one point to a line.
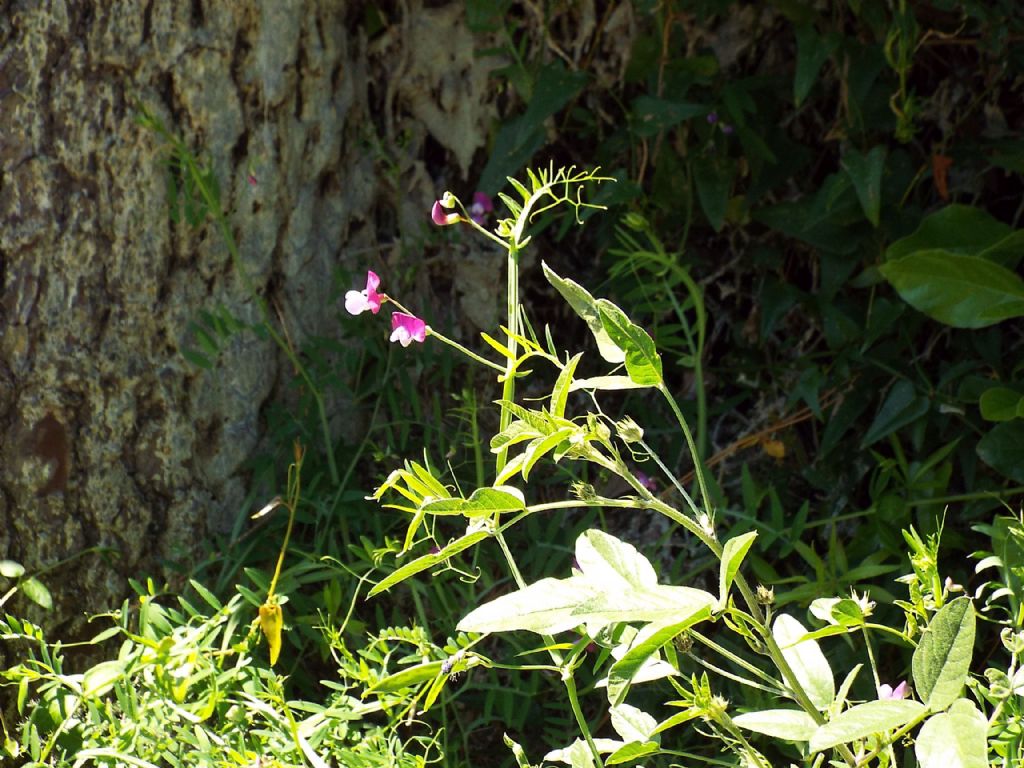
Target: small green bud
[635, 221]
[598, 428]
[765, 595]
[683, 642]
[629, 431]
[1012, 641]
[583, 491]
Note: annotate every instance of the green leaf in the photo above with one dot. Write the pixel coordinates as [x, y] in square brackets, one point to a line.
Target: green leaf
[542, 446]
[482, 503]
[560, 392]
[1002, 448]
[577, 754]
[902, 406]
[643, 364]
[733, 552]
[108, 756]
[958, 290]
[646, 643]
[812, 51]
[99, 679]
[36, 592]
[965, 230]
[631, 752]
[1000, 404]
[787, 724]
[942, 658]
[808, 662]
[516, 432]
[10, 569]
[616, 584]
[427, 561]
[196, 358]
[652, 115]
[605, 382]
[586, 307]
[517, 752]
[954, 739]
[206, 594]
[546, 607]
[604, 558]
[407, 678]
[865, 171]
[632, 723]
[713, 179]
[865, 720]
[519, 138]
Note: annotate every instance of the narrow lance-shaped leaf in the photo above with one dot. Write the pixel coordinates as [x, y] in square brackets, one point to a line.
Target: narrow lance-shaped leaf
[542, 446]
[649, 641]
[733, 552]
[482, 503]
[427, 561]
[560, 392]
[408, 677]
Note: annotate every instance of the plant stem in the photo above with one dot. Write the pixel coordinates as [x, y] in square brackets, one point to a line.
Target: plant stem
[467, 352]
[698, 466]
[508, 389]
[556, 658]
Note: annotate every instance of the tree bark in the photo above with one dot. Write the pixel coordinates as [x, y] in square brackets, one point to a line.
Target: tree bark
[110, 438]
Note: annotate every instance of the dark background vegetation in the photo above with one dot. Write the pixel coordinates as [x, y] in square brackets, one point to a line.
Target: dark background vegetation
[767, 156]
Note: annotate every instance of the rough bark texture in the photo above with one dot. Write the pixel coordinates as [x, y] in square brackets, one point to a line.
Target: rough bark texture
[109, 437]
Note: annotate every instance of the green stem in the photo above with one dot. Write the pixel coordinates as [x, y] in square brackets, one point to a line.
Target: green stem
[737, 660]
[753, 606]
[294, 494]
[698, 465]
[508, 389]
[467, 352]
[556, 658]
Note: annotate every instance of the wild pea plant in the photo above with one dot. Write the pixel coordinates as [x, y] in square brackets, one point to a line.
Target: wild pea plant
[612, 597]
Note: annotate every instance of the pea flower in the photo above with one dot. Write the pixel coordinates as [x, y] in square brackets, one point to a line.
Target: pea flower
[646, 481]
[406, 329]
[438, 215]
[481, 206]
[886, 691]
[368, 299]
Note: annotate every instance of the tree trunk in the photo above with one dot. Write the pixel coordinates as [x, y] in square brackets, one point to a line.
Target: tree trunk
[110, 437]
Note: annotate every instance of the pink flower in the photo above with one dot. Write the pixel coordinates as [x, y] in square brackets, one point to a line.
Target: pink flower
[481, 206]
[438, 215]
[360, 301]
[406, 329]
[886, 691]
[646, 481]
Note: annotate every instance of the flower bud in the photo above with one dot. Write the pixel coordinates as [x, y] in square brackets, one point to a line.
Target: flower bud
[583, 491]
[635, 221]
[629, 431]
